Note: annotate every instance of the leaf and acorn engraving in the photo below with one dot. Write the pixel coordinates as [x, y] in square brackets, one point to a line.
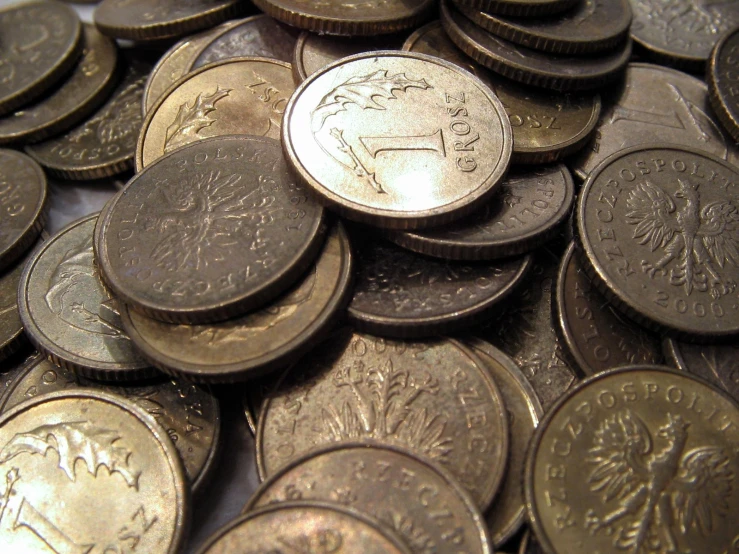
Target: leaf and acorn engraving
[190, 120]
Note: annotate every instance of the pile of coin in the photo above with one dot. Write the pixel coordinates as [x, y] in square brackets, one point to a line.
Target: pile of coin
[359, 222]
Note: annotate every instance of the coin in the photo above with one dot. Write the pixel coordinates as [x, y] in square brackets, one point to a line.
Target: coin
[433, 398]
[258, 342]
[595, 335]
[311, 527]
[22, 205]
[245, 96]
[161, 19]
[396, 139]
[105, 144]
[658, 226]
[615, 466]
[346, 17]
[717, 363]
[67, 312]
[547, 125]
[525, 214]
[12, 337]
[591, 26]
[527, 8]
[13, 366]
[255, 392]
[655, 104]
[112, 478]
[529, 544]
[210, 231]
[721, 79]
[682, 32]
[399, 293]
[506, 514]
[420, 501]
[562, 73]
[41, 42]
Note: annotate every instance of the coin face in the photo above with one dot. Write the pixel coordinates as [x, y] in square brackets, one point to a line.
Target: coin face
[658, 227]
[547, 125]
[314, 526]
[67, 312]
[622, 455]
[41, 42]
[528, 8]
[403, 492]
[239, 96]
[22, 204]
[435, 398]
[87, 470]
[721, 79]
[716, 363]
[261, 341]
[655, 104]
[526, 213]
[398, 140]
[596, 335]
[209, 232]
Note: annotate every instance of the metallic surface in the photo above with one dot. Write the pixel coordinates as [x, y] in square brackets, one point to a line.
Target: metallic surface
[527, 8]
[12, 337]
[717, 363]
[722, 77]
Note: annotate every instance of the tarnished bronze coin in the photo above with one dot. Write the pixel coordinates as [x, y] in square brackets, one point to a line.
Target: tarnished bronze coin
[209, 231]
[399, 293]
[84, 471]
[547, 125]
[161, 19]
[396, 139]
[12, 337]
[22, 205]
[525, 214]
[190, 415]
[69, 315]
[420, 501]
[258, 342]
[41, 42]
[522, 8]
[311, 527]
[596, 336]
[717, 363]
[346, 17]
[641, 459]
[723, 82]
[433, 398]
[82, 92]
[524, 410]
[655, 104]
[244, 96]
[530, 66]
[105, 144]
[659, 228]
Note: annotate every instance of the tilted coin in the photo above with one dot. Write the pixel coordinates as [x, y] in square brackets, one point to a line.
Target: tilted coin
[14, 366]
[717, 363]
[525, 214]
[723, 82]
[255, 392]
[655, 104]
[160, 19]
[433, 398]
[23, 207]
[420, 501]
[547, 125]
[105, 144]
[86, 471]
[399, 293]
[244, 96]
[523, 8]
[529, 544]
[41, 42]
[507, 512]
[258, 342]
[595, 335]
[592, 26]
[79, 94]
[69, 315]
[190, 415]
[682, 32]
[346, 17]
[209, 231]
[659, 228]
[640, 459]
[305, 527]
[529, 66]
[396, 139]
[11, 329]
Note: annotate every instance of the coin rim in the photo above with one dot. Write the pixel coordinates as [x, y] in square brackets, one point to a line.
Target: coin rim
[299, 72]
[717, 100]
[527, 8]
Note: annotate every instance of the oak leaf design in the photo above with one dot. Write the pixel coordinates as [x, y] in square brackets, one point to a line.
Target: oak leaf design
[190, 120]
